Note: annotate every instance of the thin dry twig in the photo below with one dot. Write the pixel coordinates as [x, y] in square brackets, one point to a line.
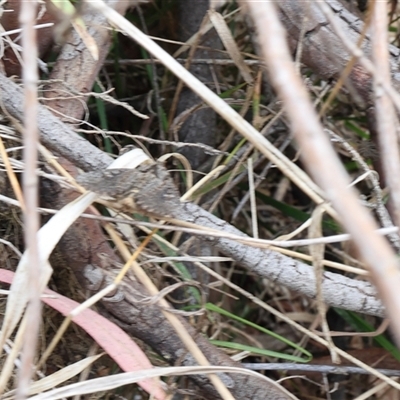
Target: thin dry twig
[254, 221]
[30, 184]
[386, 120]
[317, 252]
[327, 369]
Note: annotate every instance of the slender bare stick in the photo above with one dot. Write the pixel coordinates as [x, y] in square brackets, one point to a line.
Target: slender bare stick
[321, 160]
[30, 185]
[386, 120]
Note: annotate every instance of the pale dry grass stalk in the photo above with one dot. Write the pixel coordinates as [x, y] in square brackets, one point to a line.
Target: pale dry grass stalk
[30, 185]
[106, 383]
[254, 221]
[321, 160]
[386, 120]
[317, 251]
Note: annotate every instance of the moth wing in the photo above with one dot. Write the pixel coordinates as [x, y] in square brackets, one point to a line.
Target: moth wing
[109, 182]
[158, 197]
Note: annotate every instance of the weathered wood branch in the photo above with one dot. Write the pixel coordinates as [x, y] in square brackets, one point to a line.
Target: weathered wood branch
[357, 295]
[322, 50]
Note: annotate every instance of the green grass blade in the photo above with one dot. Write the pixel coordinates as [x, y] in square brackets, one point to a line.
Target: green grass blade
[257, 351]
[214, 308]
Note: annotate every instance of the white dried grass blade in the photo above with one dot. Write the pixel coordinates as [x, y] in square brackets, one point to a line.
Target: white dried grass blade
[186, 165]
[130, 159]
[93, 300]
[201, 32]
[211, 175]
[53, 380]
[90, 43]
[8, 364]
[361, 178]
[229, 42]
[111, 382]
[126, 230]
